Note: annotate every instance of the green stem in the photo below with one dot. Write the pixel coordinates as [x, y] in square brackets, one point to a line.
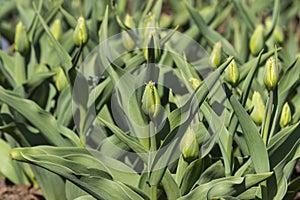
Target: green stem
[152, 137]
[267, 120]
[151, 153]
[81, 126]
[153, 192]
[232, 128]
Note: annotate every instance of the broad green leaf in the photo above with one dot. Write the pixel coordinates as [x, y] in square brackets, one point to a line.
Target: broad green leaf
[214, 171]
[282, 143]
[73, 192]
[129, 140]
[96, 182]
[37, 116]
[8, 68]
[226, 186]
[256, 146]
[7, 168]
[52, 185]
[170, 186]
[190, 176]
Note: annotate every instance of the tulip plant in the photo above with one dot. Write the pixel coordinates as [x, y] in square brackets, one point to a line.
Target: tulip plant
[162, 99]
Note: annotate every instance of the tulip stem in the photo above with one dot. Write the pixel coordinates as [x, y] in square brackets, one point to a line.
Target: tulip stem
[81, 126]
[151, 154]
[266, 124]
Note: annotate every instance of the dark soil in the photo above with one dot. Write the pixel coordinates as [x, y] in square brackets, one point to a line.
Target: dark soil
[9, 191]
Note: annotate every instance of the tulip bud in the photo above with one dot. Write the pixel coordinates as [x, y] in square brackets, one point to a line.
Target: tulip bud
[258, 111]
[257, 40]
[189, 146]
[129, 21]
[151, 100]
[128, 42]
[286, 116]
[56, 29]
[21, 39]
[151, 47]
[271, 74]
[61, 81]
[80, 35]
[232, 73]
[278, 34]
[150, 24]
[194, 82]
[216, 55]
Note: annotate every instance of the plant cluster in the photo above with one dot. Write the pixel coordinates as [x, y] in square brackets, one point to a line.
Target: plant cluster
[164, 99]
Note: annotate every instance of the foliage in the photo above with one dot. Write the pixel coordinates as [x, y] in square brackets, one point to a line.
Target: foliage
[73, 118]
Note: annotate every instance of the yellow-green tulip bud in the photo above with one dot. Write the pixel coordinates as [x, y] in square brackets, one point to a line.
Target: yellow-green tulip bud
[56, 29]
[271, 74]
[80, 35]
[232, 73]
[21, 39]
[216, 55]
[189, 146]
[129, 21]
[61, 81]
[257, 40]
[258, 111]
[194, 82]
[152, 46]
[151, 100]
[165, 20]
[278, 34]
[150, 23]
[286, 115]
[128, 42]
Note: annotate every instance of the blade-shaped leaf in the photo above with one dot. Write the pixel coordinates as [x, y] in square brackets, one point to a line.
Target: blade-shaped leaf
[256, 146]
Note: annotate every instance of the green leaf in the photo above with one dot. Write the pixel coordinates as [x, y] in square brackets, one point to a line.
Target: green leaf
[170, 186]
[129, 140]
[246, 14]
[256, 146]
[7, 168]
[282, 143]
[61, 52]
[190, 176]
[52, 185]
[226, 186]
[94, 181]
[211, 35]
[41, 119]
[214, 171]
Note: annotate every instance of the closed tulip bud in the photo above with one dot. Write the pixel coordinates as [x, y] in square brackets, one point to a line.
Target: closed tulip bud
[271, 74]
[80, 35]
[128, 42]
[232, 73]
[150, 24]
[151, 100]
[61, 81]
[258, 111]
[151, 47]
[286, 116]
[56, 29]
[257, 40]
[189, 146]
[278, 34]
[216, 55]
[129, 21]
[21, 39]
[194, 82]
